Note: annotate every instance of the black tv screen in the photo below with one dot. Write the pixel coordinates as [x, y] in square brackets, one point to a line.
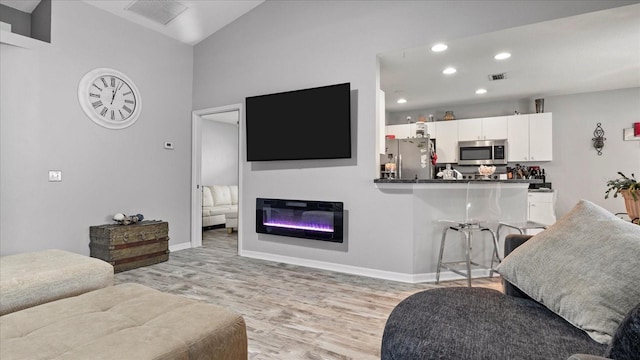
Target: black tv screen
[304, 124]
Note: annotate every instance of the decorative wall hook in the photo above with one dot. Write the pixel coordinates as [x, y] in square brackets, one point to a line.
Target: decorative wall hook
[598, 140]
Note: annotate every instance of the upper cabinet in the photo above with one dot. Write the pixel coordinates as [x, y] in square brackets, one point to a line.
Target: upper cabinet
[530, 137]
[469, 129]
[491, 128]
[447, 141]
[403, 131]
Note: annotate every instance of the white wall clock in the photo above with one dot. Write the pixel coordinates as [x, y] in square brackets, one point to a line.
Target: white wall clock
[109, 98]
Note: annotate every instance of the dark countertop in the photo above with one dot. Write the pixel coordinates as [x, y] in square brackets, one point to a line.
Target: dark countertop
[441, 181]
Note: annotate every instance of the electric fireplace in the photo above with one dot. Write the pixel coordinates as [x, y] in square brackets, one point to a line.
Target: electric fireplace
[318, 220]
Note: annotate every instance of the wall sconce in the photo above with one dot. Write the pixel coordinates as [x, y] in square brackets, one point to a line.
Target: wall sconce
[598, 140]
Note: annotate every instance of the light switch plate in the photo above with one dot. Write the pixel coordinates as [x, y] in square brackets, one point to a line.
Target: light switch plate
[55, 175]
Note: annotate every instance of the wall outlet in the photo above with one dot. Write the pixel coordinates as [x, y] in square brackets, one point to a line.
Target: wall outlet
[55, 175]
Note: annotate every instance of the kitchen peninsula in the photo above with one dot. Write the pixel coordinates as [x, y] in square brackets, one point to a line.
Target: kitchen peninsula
[437, 200]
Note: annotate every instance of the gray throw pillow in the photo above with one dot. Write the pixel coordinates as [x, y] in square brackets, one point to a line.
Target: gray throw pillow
[585, 268]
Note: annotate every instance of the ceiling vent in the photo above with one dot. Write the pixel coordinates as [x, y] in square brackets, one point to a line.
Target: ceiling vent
[160, 11]
[500, 76]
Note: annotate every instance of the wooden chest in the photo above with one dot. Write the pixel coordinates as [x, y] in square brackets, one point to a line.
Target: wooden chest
[128, 247]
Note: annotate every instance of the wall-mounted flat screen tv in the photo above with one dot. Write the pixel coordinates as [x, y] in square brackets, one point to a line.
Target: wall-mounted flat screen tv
[304, 124]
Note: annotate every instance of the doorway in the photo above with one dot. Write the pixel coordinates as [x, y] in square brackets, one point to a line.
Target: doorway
[230, 114]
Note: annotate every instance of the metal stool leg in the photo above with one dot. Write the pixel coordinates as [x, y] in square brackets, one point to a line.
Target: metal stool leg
[495, 256]
[468, 237]
[444, 235]
[507, 225]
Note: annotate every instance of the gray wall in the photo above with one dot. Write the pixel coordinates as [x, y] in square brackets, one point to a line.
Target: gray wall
[577, 172]
[20, 21]
[219, 153]
[41, 21]
[286, 45]
[104, 171]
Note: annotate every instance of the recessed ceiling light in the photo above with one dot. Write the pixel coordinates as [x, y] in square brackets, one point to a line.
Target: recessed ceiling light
[502, 56]
[439, 47]
[481, 91]
[449, 71]
[402, 101]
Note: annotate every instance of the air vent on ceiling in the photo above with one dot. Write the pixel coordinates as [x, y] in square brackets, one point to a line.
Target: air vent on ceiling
[500, 76]
[160, 11]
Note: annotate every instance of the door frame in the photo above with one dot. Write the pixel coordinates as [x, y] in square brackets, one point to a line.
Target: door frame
[196, 170]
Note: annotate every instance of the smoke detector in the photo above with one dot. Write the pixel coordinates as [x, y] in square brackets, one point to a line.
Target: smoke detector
[500, 76]
[159, 11]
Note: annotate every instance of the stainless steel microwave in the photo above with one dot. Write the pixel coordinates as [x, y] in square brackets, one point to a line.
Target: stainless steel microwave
[482, 152]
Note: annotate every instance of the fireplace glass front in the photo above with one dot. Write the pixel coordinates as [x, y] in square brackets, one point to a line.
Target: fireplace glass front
[318, 220]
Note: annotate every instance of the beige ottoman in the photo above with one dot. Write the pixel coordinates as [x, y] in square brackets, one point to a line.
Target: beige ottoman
[35, 278]
[126, 321]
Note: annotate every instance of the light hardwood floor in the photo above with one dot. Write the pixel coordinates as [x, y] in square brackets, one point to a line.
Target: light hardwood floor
[291, 312]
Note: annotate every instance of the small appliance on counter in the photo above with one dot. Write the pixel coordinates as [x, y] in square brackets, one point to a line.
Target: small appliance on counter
[450, 174]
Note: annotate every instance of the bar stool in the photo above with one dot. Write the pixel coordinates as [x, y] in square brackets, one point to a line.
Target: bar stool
[521, 227]
[481, 204]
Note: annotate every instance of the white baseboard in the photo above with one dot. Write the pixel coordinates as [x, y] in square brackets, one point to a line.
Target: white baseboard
[182, 246]
[355, 270]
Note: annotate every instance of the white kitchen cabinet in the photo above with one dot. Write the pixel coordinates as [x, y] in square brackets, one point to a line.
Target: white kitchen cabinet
[401, 131]
[431, 130]
[540, 137]
[447, 141]
[530, 137]
[541, 208]
[518, 138]
[491, 128]
[469, 129]
[494, 128]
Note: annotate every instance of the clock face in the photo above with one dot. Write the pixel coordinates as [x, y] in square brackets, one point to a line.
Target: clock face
[109, 98]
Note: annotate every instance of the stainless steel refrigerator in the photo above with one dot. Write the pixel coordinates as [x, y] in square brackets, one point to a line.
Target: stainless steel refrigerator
[413, 157]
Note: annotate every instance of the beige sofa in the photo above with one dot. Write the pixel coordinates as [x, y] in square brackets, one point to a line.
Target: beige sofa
[220, 206]
[125, 321]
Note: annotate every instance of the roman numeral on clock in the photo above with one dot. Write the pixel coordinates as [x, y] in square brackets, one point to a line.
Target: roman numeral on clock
[112, 115]
[113, 82]
[97, 104]
[127, 93]
[104, 111]
[129, 101]
[97, 87]
[126, 108]
[104, 82]
[94, 95]
[121, 114]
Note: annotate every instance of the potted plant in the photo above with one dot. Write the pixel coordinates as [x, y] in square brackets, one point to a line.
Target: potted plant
[629, 187]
